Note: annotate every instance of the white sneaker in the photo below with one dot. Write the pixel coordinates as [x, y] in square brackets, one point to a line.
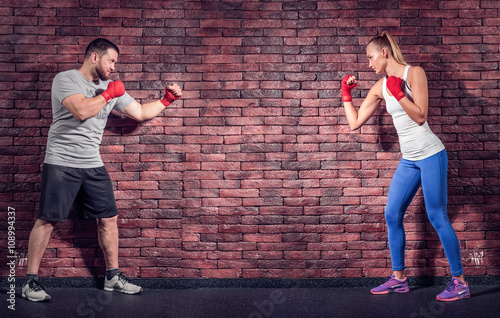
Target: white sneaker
[121, 283]
[34, 291]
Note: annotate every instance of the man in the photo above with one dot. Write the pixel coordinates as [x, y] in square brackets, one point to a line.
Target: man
[73, 170]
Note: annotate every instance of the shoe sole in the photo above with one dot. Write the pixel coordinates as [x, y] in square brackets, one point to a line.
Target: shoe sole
[36, 299]
[454, 298]
[110, 289]
[401, 290]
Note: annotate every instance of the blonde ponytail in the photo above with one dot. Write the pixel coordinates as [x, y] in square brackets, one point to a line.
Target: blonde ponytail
[385, 40]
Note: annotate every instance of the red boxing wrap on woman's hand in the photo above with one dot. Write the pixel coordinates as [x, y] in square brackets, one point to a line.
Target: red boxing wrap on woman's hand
[394, 86]
[346, 89]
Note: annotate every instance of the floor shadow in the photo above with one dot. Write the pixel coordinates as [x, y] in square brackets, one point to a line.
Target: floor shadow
[493, 290]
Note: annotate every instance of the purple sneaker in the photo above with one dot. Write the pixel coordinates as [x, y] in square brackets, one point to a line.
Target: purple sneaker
[392, 285]
[455, 290]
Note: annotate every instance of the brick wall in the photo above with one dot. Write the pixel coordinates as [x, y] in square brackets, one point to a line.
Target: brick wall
[255, 172]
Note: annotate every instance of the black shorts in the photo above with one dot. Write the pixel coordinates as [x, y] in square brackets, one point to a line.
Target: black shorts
[90, 189]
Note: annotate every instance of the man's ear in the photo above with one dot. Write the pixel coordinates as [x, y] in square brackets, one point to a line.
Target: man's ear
[94, 57]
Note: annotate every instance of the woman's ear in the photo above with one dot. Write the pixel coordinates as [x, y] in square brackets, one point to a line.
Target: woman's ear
[385, 53]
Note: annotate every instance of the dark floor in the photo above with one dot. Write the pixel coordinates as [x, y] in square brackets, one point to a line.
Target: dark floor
[256, 303]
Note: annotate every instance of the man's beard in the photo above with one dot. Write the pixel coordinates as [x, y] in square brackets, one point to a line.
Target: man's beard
[101, 73]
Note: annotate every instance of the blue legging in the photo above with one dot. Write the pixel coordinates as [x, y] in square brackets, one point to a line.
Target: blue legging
[431, 173]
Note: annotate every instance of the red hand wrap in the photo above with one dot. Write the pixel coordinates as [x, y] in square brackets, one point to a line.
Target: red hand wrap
[115, 89]
[346, 89]
[168, 98]
[394, 86]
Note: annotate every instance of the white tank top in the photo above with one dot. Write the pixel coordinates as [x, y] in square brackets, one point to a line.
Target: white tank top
[416, 142]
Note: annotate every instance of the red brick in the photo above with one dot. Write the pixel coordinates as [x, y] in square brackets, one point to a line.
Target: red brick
[221, 273]
[59, 3]
[72, 272]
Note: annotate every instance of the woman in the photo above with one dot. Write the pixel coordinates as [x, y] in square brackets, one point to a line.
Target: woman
[424, 159]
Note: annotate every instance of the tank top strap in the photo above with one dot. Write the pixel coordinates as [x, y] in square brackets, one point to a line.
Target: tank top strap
[405, 77]
[384, 88]
[405, 74]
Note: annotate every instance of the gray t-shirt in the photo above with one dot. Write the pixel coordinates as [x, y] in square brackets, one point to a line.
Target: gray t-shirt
[72, 142]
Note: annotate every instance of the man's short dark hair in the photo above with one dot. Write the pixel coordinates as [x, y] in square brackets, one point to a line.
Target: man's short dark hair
[100, 46]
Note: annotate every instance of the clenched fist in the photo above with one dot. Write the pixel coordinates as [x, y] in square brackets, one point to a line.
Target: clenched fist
[172, 92]
[348, 83]
[115, 89]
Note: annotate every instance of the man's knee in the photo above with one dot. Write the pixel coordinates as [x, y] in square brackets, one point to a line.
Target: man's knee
[107, 222]
[45, 225]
